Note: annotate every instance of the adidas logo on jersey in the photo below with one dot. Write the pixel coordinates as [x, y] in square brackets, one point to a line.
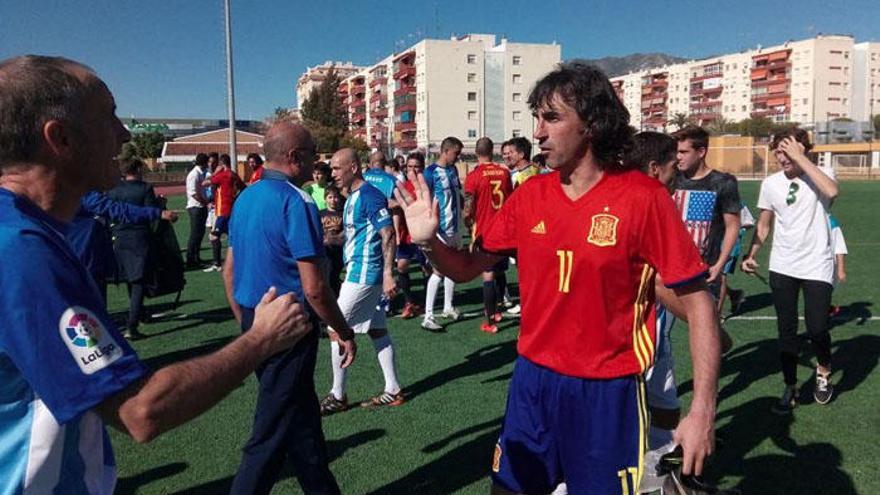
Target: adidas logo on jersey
[540, 228]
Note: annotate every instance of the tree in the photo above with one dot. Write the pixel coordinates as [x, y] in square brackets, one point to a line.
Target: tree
[756, 127]
[144, 145]
[722, 126]
[681, 120]
[323, 114]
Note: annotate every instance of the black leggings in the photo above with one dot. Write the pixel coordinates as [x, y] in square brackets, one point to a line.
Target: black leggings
[135, 304]
[817, 299]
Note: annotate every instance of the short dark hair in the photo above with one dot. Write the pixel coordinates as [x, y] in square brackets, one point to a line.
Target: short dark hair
[226, 160]
[539, 160]
[698, 136]
[201, 159]
[522, 145]
[35, 89]
[214, 155]
[324, 168]
[331, 190]
[449, 143]
[650, 147]
[484, 147]
[132, 166]
[797, 133]
[417, 155]
[588, 91]
[257, 158]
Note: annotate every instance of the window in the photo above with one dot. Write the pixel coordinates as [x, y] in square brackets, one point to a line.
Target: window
[743, 108]
[471, 58]
[517, 78]
[472, 77]
[472, 96]
[472, 115]
[517, 60]
[517, 97]
[517, 133]
[517, 115]
[472, 133]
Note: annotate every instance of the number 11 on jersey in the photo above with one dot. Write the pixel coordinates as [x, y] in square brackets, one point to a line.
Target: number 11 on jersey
[566, 258]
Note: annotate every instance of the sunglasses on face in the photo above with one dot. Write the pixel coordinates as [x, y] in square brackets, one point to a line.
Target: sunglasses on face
[792, 193]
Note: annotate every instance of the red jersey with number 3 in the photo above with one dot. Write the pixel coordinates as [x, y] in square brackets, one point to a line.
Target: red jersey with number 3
[586, 270]
[490, 185]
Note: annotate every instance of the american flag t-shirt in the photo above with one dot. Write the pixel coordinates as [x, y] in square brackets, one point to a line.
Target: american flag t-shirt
[697, 208]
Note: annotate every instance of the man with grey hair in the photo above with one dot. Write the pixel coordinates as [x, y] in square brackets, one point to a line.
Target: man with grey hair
[289, 254]
[65, 368]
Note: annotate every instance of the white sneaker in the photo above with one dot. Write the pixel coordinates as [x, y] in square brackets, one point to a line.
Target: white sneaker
[514, 310]
[452, 314]
[213, 268]
[651, 481]
[428, 323]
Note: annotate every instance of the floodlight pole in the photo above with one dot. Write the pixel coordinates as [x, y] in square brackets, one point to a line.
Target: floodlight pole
[230, 90]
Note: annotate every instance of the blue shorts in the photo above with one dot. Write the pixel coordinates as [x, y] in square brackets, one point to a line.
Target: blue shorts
[501, 266]
[411, 252]
[730, 265]
[221, 226]
[589, 433]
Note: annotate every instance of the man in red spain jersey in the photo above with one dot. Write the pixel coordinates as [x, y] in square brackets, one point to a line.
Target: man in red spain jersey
[226, 185]
[589, 238]
[485, 190]
[255, 162]
[407, 252]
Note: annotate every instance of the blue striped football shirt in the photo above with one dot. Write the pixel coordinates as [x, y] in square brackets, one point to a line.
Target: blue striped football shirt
[365, 214]
[446, 188]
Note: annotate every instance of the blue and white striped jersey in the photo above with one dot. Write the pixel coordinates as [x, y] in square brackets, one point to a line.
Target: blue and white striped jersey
[381, 180]
[56, 363]
[365, 214]
[446, 187]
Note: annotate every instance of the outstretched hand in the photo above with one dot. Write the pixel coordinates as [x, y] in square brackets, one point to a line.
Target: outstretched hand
[420, 210]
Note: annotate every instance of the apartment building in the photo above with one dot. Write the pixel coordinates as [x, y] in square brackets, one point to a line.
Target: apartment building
[315, 76]
[468, 86]
[810, 81]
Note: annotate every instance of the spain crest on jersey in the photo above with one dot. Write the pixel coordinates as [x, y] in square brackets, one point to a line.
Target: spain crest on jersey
[603, 230]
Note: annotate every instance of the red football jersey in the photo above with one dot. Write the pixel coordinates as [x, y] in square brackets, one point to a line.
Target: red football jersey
[257, 175]
[490, 185]
[403, 236]
[586, 270]
[225, 182]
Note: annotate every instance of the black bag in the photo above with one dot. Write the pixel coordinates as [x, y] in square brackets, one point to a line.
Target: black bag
[164, 271]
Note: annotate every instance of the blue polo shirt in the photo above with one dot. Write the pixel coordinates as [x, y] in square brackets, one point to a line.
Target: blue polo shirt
[381, 180]
[60, 356]
[274, 224]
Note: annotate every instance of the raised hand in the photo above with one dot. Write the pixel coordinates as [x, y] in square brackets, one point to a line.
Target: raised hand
[420, 211]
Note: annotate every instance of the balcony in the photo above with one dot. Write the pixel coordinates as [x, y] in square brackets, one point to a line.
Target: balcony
[379, 113]
[376, 96]
[358, 89]
[358, 117]
[405, 107]
[706, 104]
[379, 81]
[406, 89]
[404, 71]
[768, 81]
[359, 102]
[405, 126]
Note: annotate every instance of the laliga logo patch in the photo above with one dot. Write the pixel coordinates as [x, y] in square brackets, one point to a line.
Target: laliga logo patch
[603, 230]
[90, 344]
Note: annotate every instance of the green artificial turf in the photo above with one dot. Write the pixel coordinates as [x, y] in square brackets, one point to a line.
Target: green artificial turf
[441, 440]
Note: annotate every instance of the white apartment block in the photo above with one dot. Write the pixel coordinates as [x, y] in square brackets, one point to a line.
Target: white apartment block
[866, 81]
[467, 87]
[315, 76]
[809, 81]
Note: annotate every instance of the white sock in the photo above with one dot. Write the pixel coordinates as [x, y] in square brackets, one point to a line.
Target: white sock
[658, 437]
[431, 293]
[385, 353]
[448, 288]
[339, 373]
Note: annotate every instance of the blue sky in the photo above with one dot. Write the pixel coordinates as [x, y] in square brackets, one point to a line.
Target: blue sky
[165, 58]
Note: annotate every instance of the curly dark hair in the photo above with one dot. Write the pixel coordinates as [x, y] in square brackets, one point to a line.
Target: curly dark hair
[797, 133]
[588, 91]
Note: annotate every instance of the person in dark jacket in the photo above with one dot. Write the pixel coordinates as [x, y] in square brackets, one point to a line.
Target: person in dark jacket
[89, 234]
[132, 239]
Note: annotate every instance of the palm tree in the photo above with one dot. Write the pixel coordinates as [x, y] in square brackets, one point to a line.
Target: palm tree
[680, 120]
